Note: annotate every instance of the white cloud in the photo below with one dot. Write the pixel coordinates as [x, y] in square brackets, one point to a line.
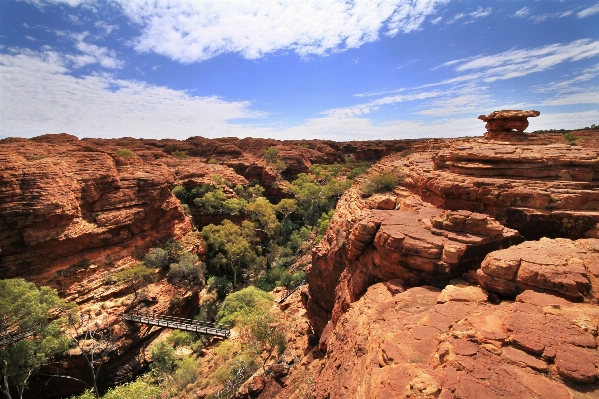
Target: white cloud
[371, 106]
[72, 3]
[481, 12]
[565, 120]
[107, 27]
[587, 96]
[191, 31]
[570, 84]
[459, 101]
[455, 18]
[520, 62]
[523, 12]
[30, 38]
[39, 96]
[92, 54]
[589, 11]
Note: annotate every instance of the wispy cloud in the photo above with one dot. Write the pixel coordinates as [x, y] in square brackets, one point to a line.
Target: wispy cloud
[481, 12]
[589, 11]
[93, 54]
[521, 62]
[191, 31]
[523, 12]
[39, 96]
[106, 27]
[569, 85]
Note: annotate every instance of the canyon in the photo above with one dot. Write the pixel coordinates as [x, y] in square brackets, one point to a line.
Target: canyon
[475, 276]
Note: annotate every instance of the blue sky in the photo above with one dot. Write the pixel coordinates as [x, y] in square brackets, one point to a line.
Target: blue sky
[301, 69]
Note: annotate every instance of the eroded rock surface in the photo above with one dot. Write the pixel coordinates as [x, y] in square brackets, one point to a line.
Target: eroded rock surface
[425, 342]
[499, 122]
[560, 266]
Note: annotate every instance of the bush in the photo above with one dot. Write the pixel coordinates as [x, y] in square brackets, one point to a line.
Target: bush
[179, 154]
[271, 154]
[221, 285]
[125, 153]
[381, 182]
[571, 138]
[174, 249]
[189, 270]
[180, 193]
[186, 372]
[163, 358]
[180, 338]
[279, 277]
[212, 161]
[237, 303]
[157, 258]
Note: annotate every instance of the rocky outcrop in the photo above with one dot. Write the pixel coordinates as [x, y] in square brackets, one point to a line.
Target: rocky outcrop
[500, 122]
[457, 201]
[558, 266]
[453, 343]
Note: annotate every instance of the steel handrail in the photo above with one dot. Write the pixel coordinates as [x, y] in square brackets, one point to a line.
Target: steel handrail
[178, 323]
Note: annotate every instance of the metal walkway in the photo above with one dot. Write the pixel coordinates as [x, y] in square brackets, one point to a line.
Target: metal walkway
[159, 320]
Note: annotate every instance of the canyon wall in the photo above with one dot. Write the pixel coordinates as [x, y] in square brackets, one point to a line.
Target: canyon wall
[475, 277]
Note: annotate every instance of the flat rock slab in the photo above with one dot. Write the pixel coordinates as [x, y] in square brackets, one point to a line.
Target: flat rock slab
[563, 266]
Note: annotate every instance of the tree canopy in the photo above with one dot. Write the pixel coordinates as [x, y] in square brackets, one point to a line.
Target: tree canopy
[26, 308]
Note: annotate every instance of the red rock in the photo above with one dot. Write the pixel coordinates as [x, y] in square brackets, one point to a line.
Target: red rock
[519, 357]
[559, 265]
[576, 363]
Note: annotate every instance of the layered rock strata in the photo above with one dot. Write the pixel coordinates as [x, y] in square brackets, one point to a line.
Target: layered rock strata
[458, 200]
[559, 266]
[501, 124]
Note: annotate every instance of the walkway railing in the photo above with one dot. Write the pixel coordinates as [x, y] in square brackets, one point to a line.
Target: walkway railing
[179, 323]
[289, 293]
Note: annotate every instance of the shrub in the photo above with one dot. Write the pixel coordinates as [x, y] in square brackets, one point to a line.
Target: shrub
[271, 154]
[381, 182]
[174, 249]
[157, 258]
[163, 356]
[212, 161]
[571, 138]
[323, 224]
[189, 270]
[181, 193]
[38, 157]
[179, 154]
[125, 153]
[180, 338]
[186, 372]
[221, 285]
[249, 298]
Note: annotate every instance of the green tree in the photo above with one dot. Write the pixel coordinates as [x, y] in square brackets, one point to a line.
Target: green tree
[261, 330]
[136, 277]
[163, 358]
[230, 248]
[242, 303]
[157, 258]
[262, 212]
[24, 308]
[188, 271]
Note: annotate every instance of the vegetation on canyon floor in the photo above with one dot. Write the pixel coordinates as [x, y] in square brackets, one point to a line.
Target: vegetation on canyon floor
[244, 261]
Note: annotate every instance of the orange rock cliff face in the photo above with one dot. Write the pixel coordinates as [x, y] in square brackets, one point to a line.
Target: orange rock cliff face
[475, 277]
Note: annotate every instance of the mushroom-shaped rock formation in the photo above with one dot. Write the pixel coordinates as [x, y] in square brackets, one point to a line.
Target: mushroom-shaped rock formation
[507, 121]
